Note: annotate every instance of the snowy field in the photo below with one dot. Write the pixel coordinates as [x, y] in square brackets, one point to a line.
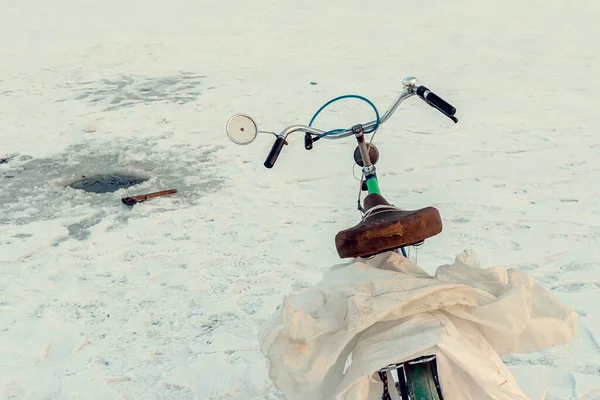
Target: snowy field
[165, 300]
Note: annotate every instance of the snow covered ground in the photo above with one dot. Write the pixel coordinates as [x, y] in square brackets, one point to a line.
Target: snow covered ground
[164, 300]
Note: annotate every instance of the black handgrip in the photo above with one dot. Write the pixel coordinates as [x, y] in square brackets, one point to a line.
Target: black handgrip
[274, 153]
[436, 101]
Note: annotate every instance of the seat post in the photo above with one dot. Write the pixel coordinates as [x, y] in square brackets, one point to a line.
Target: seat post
[373, 200]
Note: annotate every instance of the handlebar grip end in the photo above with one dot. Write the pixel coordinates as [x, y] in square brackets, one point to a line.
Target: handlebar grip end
[436, 101]
[274, 153]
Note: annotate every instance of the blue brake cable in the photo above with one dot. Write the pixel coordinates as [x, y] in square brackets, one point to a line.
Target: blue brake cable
[347, 96]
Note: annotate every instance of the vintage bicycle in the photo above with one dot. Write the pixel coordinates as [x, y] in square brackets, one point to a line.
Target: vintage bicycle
[383, 226]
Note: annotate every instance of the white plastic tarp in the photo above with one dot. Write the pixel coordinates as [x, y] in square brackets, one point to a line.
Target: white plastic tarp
[387, 310]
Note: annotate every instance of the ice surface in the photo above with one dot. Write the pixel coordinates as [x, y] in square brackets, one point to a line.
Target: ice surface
[164, 300]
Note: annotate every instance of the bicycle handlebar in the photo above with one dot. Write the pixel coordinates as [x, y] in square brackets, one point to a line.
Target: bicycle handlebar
[409, 90]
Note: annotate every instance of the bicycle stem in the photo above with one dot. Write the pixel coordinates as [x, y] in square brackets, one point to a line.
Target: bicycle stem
[368, 167]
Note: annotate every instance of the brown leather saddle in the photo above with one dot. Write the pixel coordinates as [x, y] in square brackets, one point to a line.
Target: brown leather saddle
[385, 227]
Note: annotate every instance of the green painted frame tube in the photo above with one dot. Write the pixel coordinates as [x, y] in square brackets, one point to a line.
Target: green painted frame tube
[420, 382]
[373, 184]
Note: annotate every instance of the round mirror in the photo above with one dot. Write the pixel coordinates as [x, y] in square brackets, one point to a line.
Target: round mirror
[241, 129]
